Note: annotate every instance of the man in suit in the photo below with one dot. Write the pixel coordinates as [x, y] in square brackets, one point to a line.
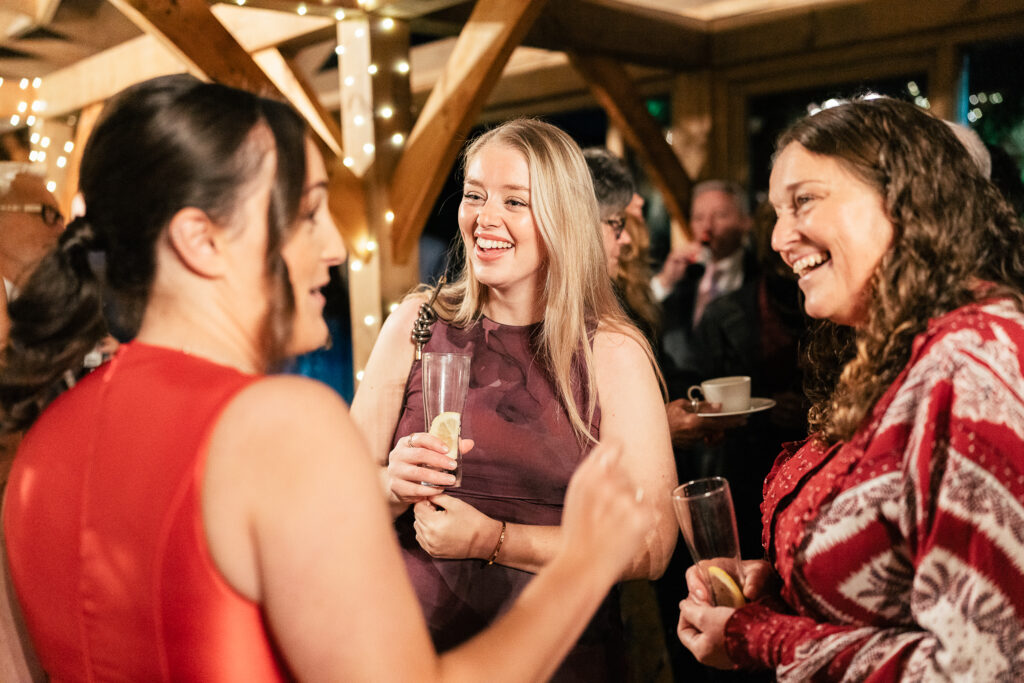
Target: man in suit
[715, 264]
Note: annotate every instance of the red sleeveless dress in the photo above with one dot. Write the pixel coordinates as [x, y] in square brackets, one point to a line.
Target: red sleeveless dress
[105, 533]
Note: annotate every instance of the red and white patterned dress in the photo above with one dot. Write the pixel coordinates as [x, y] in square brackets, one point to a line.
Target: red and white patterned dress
[901, 552]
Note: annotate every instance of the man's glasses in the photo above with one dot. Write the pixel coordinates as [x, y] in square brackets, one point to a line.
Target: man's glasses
[50, 215]
[617, 225]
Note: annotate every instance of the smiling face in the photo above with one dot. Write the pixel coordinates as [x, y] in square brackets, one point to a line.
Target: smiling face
[313, 247]
[832, 230]
[498, 226]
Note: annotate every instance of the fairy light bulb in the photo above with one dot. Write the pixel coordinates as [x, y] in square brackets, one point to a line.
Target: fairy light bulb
[397, 139]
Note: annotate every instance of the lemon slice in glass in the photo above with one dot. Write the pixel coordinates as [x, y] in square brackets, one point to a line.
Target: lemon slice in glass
[446, 426]
[724, 588]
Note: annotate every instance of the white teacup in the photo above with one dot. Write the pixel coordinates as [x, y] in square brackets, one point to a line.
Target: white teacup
[732, 392]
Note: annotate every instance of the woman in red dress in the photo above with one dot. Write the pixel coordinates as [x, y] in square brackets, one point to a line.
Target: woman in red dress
[178, 515]
[895, 530]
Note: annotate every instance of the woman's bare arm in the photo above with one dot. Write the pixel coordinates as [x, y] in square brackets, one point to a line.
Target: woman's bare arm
[295, 521]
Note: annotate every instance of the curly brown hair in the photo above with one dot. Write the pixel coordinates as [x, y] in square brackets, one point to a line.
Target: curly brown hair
[955, 241]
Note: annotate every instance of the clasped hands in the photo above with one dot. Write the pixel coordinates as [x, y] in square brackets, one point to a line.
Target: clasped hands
[446, 527]
[701, 626]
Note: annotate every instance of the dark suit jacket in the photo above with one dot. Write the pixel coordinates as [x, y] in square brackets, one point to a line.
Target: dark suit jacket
[725, 340]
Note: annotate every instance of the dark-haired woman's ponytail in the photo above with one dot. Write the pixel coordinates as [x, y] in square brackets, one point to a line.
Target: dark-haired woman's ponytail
[55, 320]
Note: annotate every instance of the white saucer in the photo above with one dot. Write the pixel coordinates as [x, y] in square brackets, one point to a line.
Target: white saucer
[756, 406]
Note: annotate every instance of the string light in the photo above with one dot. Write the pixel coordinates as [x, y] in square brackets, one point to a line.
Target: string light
[356, 265]
[350, 81]
[62, 162]
[301, 10]
[38, 105]
[31, 120]
[339, 50]
[23, 106]
[24, 84]
[1, 80]
[15, 120]
[393, 307]
[371, 246]
[36, 82]
[340, 15]
[397, 139]
[44, 143]
[69, 146]
[240, 3]
[35, 138]
[368, 148]
[389, 216]
[41, 156]
[370, 320]
[358, 119]
[51, 186]
[360, 32]
[359, 376]
[372, 69]
[33, 155]
[402, 67]
[386, 112]
[388, 24]
[349, 162]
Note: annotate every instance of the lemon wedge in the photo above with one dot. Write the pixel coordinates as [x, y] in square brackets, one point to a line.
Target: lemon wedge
[724, 588]
[446, 426]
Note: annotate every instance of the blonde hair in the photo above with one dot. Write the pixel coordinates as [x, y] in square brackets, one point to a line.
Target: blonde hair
[577, 292]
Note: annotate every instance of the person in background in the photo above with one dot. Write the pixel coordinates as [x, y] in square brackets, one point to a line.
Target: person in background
[180, 515]
[893, 533]
[555, 367]
[30, 223]
[613, 187]
[633, 280]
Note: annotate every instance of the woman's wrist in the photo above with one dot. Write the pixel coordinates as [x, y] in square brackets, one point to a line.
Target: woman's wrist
[487, 538]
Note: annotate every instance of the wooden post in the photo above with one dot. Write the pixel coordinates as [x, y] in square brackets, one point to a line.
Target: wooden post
[944, 81]
[376, 118]
[83, 129]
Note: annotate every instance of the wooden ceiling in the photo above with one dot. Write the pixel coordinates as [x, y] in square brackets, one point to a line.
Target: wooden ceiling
[38, 37]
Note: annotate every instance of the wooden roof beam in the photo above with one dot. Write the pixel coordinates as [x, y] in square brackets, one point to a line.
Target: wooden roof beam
[612, 87]
[191, 30]
[638, 35]
[493, 31]
[102, 75]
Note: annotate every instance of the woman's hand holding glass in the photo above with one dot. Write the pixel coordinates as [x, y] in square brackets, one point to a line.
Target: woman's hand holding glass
[701, 626]
[418, 459]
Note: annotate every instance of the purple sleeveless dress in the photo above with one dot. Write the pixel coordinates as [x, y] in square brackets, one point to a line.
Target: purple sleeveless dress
[518, 471]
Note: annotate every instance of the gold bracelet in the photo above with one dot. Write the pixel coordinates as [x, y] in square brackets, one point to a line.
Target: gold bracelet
[501, 539]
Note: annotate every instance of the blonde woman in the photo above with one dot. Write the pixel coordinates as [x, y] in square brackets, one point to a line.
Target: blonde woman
[555, 367]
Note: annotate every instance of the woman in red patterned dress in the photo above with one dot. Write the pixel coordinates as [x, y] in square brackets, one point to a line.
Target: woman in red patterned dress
[895, 534]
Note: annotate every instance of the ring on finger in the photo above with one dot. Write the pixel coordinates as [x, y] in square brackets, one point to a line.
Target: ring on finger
[411, 438]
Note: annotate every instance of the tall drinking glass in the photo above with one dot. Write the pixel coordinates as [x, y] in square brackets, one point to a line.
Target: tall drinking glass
[445, 383]
[708, 522]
